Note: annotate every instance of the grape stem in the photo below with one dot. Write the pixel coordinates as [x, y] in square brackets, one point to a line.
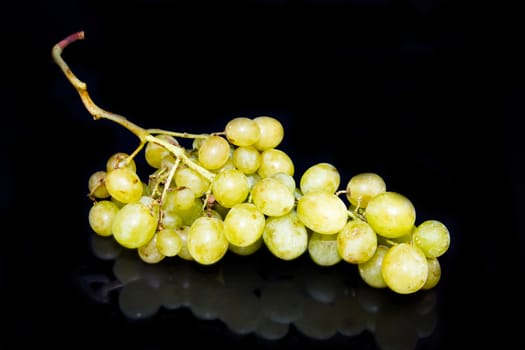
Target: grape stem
[144, 135]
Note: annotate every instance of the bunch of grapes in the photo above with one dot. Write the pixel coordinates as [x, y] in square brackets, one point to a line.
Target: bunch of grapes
[235, 190]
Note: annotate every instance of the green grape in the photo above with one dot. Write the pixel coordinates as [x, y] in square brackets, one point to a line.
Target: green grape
[242, 131]
[149, 252]
[182, 198]
[120, 160]
[320, 177]
[323, 249]
[169, 242]
[134, 225]
[101, 216]
[432, 237]
[214, 152]
[285, 236]
[370, 270]
[97, 186]
[271, 132]
[404, 268]
[124, 185]
[190, 178]
[275, 161]
[248, 249]
[286, 180]
[434, 273]
[247, 159]
[206, 240]
[272, 197]
[322, 212]
[155, 153]
[244, 224]
[170, 219]
[230, 187]
[363, 187]
[194, 212]
[391, 214]
[356, 242]
[184, 252]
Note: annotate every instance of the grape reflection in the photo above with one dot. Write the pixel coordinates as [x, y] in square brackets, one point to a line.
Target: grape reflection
[264, 297]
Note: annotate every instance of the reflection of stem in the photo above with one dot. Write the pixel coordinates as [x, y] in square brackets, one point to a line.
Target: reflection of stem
[98, 113]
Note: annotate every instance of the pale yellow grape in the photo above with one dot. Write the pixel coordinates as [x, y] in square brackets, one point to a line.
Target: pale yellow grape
[183, 198]
[184, 252]
[370, 270]
[124, 185]
[120, 160]
[214, 152]
[363, 187]
[101, 216]
[97, 186]
[242, 131]
[275, 161]
[432, 237]
[323, 249]
[320, 177]
[195, 211]
[391, 214]
[230, 187]
[271, 197]
[322, 212]
[206, 240]
[434, 273]
[170, 219]
[169, 242]
[244, 224]
[286, 180]
[356, 242]
[404, 268]
[247, 159]
[285, 236]
[253, 178]
[155, 153]
[187, 177]
[247, 250]
[150, 252]
[134, 225]
[271, 132]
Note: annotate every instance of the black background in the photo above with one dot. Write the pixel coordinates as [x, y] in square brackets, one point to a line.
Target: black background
[429, 94]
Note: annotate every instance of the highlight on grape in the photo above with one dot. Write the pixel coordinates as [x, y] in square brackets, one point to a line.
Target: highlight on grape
[235, 191]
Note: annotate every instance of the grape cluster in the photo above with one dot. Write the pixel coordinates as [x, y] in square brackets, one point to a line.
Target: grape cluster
[235, 190]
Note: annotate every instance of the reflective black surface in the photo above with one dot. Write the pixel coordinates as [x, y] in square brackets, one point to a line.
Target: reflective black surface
[427, 94]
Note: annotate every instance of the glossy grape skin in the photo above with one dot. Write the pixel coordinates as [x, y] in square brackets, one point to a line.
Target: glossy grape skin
[391, 214]
[322, 212]
[101, 216]
[370, 270]
[271, 132]
[206, 240]
[356, 242]
[320, 177]
[363, 187]
[242, 131]
[432, 237]
[134, 225]
[404, 268]
[124, 185]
